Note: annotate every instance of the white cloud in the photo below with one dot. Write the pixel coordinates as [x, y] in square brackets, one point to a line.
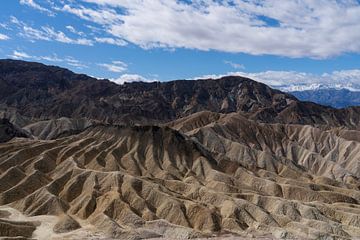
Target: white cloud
[4, 37]
[113, 41]
[15, 21]
[34, 5]
[52, 58]
[93, 29]
[101, 16]
[115, 66]
[132, 78]
[20, 55]
[61, 37]
[17, 54]
[298, 28]
[5, 26]
[235, 65]
[75, 63]
[73, 30]
[47, 33]
[299, 81]
[32, 33]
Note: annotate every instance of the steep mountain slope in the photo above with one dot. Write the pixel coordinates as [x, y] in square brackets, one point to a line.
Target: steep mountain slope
[43, 92]
[338, 98]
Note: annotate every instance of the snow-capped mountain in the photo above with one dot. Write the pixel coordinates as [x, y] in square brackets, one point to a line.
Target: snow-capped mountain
[319, 86]
[339, 98]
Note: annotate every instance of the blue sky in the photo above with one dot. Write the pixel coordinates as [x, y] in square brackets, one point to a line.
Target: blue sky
[277, 42]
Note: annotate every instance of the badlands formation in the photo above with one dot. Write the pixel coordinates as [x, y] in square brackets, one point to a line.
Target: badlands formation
[226, 159]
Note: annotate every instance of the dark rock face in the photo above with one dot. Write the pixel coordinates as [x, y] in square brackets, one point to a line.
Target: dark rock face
[43, 92]
[46, 92]
[9, 131]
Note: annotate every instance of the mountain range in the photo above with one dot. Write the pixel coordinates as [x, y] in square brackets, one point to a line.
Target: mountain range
[337, 95]
[338, 98]
[227, 158]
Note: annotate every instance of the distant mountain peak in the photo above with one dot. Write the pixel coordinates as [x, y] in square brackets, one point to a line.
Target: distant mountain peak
[317, 86]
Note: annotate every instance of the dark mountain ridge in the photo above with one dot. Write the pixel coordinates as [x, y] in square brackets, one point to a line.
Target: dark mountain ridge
[42, 92]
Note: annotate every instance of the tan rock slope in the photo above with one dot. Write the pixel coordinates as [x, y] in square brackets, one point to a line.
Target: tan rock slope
[56, 128]
[208, 174]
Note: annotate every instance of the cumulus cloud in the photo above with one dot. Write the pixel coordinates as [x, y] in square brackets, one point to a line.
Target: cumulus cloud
[131, 78]
[4, 37]
[293, 28]
[33, 4]
[299, 81]
[114, 66]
